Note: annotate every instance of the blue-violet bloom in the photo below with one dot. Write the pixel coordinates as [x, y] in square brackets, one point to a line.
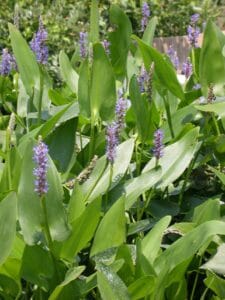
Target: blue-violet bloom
[83, 43]
[158, 144]
[143, 79]
[6, 63]
[120, 111]
[193, 31]
[111, 141]
[106, 45]
[38, 44]
[187, 68]
[145, 16]
[173, 57]
[40, 157]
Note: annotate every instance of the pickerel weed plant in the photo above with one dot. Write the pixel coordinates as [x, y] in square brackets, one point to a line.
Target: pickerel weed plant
[112, 184]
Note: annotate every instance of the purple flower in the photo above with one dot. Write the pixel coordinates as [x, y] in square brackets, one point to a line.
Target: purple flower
[197, 86]
[83, 42]
[145, 16]
[112, 141]
[193, 31]
[6, 63]
[106, 45]
[173, 57]
[194, 18]
[158, 144]
[187, 68]
[121, 107]
[38, 44]
[40, 172]
[143, 79]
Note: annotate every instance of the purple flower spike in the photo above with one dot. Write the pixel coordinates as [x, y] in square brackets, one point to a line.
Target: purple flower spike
[193, 31]
[112, 141]
[145, 16]
[173, 57]
[6, 63]
[143, 79]
[187, 68]
[40, 172]
[83, 42]
[121, 107]
[158, 144]
[194, 18]
[106, 45]
[38, 44]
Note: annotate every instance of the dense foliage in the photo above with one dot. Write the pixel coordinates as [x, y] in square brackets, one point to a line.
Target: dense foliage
[112, 185]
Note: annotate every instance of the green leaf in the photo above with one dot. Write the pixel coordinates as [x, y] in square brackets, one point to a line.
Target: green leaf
[141, 108]
[219, 174]
[152, 241]
[26, 61]
[150, 31]
[98, 186]
[79, 237]
[119, 40]
[111, 230]
[142, 287]
[217, 108]
[37, 266]
[103, 96]
[136, 186]
[84, 89]
[71, 275]
[163, 69]
[68, 74]
[209, 210]
[213, 73]
[216, 263]
[29, 208]
[8, 216]
[110, 285]
[176, 158]
[94, 22]
[216, 284]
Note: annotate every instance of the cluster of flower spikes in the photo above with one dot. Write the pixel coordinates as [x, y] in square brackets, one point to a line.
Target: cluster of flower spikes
[38, 44]
[173, 57]
[113, 130]
[83, 44]
[158, 144]
[187, 68]
[40, 157]
[8, 63]
[193, 31]
[145, 16]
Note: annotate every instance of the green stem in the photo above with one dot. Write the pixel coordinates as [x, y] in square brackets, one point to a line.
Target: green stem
[8, 140]
[216, 124]
[91, 143]
[110, 182]
[168, 115]
[48, 234]
[40, 97]
[195, 282]
[140, 159]
[95, 184]
[146, 204]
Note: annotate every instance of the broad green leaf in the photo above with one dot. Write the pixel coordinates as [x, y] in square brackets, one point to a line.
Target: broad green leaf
[163, 69]
[110, 285]
[26, 61]
[8, 216]
[37, 266]
[219, 174]
[176, 158]
[84, 89]
[216, 284]
[98, 186]
[152, 241]
[209, 210]
[94, 22]
[111, 230]
[137, 186]
[216, 263]
[79, 237]
[119, 40]
[62, 143]
[22, 100]
[150, 31]
[29, 208]
[68, 74]
[217, 108]
[71, 275]
[142, 287]
[141, 108]
[103, 92]
[213, 73]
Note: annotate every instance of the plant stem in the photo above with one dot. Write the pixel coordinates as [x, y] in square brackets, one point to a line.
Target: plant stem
[195, 282]
[110, 182]
[40, 97]
[91, 143]
[8, 158]
[216, 124]
[168, 115]
[48, 234]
